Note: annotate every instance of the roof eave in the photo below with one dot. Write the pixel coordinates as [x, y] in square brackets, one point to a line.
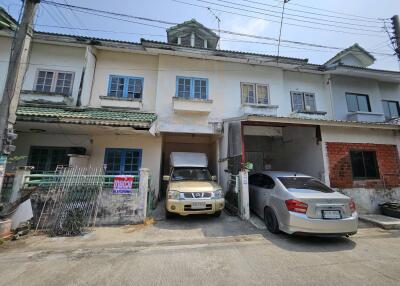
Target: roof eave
[313, 122]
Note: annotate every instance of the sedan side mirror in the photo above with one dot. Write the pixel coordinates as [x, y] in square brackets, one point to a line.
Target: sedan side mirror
[214, 178]
[166, 178]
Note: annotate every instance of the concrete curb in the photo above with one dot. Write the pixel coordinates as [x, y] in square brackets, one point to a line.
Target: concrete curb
[384, 222]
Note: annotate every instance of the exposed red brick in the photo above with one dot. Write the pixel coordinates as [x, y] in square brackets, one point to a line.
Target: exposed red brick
[340, 172]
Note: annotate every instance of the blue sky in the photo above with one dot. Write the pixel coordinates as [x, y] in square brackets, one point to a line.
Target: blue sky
[258, 17]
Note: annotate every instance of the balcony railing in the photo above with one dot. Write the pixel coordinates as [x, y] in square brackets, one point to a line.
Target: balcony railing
[260, 109]
[194, 106]
[42, 97]
[366, 116]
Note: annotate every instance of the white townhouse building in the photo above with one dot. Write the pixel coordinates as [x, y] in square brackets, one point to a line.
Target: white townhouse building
[128, 105]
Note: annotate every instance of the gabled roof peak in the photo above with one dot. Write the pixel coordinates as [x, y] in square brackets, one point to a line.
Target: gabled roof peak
[194, 34]
[354, 55]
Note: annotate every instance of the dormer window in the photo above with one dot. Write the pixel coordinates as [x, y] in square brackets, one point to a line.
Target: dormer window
[192, 34]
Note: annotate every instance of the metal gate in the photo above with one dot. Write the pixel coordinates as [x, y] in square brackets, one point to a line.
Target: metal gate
[232, 196]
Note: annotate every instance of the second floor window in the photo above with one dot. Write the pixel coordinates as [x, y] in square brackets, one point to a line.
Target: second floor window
[303, 101]
[391, 109]
[54, 81]
[125, 87]
[191, 87]
[357, 102]
[253, 93]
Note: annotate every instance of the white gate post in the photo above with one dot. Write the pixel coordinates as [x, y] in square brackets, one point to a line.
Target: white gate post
[18, 182]
[244, 195]
[144, 174]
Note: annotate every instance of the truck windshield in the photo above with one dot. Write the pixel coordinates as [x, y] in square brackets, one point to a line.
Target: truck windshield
[304, 183]
[191, 174]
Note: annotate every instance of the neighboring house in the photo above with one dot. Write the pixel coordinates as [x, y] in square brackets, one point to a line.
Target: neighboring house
[128, 105]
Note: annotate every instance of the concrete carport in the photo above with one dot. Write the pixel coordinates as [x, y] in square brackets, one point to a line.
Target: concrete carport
[189, 142]
[283, 147]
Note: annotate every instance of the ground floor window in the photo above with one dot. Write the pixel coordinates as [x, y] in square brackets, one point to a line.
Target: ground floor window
[122, 161]
[364, 164]
[44, 158]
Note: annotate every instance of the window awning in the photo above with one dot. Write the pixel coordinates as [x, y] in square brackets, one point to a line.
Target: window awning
[86, 116]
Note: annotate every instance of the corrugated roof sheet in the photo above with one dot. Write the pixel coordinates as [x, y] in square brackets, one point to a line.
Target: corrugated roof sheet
[389, 124]
[92, 116]
[223, 51]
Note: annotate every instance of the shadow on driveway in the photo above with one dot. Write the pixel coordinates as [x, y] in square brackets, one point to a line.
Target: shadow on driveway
[230, 226]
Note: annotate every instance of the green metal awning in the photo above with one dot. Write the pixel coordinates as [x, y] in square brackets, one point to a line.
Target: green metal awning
[86, 116]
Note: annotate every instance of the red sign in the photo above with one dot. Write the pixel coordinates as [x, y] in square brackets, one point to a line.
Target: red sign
[123, 184]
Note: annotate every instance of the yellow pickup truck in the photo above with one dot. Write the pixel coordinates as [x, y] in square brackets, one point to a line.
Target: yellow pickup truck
[191, 188]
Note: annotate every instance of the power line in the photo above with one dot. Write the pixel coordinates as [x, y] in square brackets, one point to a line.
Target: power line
[51, 15]
[296, 15]
[106, 12]
[255, 17]
[280, 28]
[222, 39]
[62, 16]
[99, 30]
[276, 16]
[329, 11]
[353, 17]
[86, 10]
[75, 16]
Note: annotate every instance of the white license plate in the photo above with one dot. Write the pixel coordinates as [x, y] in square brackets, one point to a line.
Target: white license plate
[198, 205]
[331, 214]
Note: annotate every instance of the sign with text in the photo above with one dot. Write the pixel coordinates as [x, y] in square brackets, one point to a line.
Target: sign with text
[123, 184]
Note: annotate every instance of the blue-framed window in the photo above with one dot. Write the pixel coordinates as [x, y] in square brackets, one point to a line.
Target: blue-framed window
[122, 161]
[191, 87]
[125, 87]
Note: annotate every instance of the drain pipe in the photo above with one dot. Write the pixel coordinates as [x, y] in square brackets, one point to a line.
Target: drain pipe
[79, 98]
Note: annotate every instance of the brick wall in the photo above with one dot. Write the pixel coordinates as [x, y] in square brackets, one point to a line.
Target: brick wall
[340, 173]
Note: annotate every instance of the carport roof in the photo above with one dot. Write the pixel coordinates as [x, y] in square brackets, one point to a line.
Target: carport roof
[87, 116]
[315, 121]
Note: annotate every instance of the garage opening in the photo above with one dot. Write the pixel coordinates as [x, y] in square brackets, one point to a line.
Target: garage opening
[174, 142]
[284, 148]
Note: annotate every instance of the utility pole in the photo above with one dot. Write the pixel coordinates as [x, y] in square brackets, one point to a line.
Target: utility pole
[396, 38]
[16, 70]
[280, 29]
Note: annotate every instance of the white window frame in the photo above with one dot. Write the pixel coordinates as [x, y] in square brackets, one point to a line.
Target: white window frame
[54, 80]
[386, 101]
[255, 85]
[303, 94]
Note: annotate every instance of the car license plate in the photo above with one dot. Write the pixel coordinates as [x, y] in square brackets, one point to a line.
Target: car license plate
[198, 205]
[331, 214]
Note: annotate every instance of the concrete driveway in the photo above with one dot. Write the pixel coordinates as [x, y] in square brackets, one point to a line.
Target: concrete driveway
[201, 251]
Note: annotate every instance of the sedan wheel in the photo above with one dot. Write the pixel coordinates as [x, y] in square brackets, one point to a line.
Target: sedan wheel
[271, 221]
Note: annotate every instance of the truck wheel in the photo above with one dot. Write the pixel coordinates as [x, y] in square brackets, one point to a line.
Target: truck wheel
[217, 214]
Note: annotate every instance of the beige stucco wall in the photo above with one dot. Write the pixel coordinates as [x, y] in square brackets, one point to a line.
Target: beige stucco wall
[150, 145]
[58, 58]
[125, 64]
[95, 146]
[169, 68]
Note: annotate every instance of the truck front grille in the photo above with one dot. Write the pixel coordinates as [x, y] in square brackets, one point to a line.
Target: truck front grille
[197, 195]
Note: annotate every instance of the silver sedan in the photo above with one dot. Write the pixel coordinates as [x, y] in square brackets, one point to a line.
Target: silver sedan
[297, 203]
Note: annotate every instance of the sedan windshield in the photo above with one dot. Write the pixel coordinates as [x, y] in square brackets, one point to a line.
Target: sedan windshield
[304, 183]
[191, 174]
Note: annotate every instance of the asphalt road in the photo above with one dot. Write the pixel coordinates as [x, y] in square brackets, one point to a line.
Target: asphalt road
[201, 251]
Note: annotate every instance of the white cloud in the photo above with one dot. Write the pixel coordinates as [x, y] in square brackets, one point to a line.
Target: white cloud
[253, 26]
[243, 26]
